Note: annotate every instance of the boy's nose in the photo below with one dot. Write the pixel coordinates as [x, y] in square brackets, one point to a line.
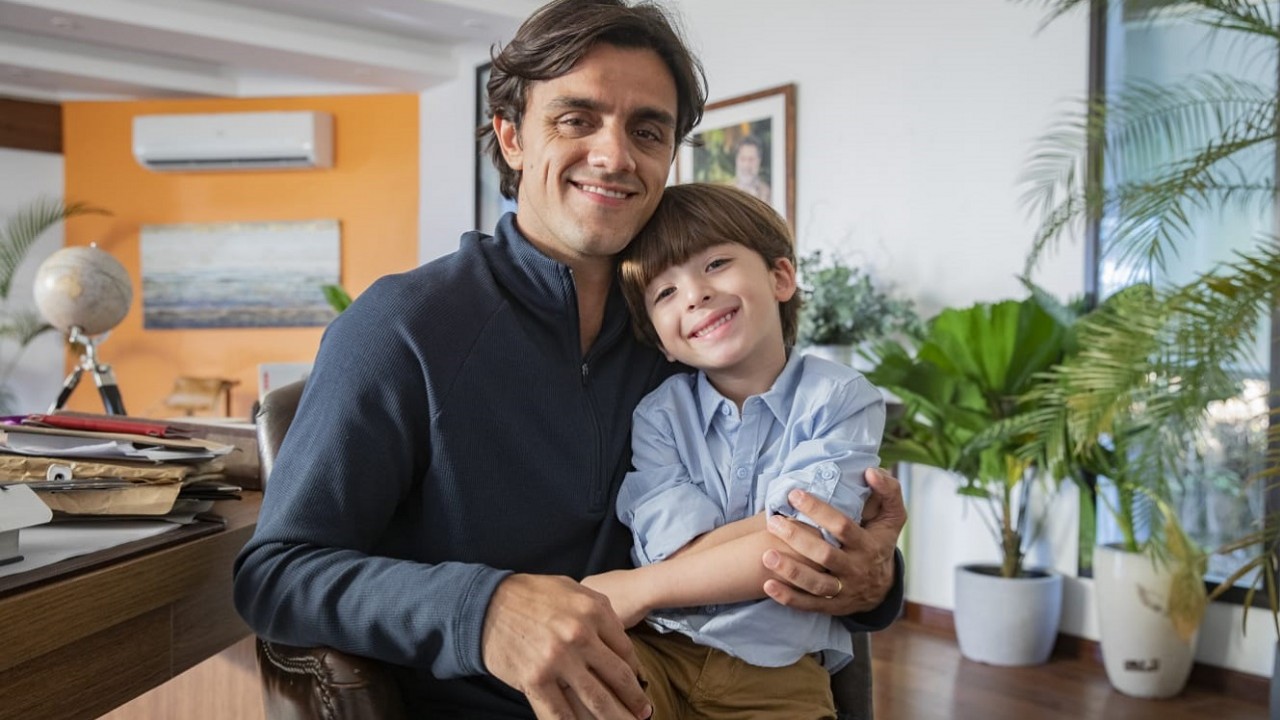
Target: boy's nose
[698, 298]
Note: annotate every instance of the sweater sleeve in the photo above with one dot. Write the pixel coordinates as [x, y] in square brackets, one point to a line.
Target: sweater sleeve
[310, 574]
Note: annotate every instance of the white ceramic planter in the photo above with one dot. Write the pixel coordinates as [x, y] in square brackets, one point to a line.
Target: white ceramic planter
[1007, 621]
[843, 354]
[1142, 652]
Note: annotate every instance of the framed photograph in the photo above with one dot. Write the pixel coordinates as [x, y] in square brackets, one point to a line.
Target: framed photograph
[748, 141]
[489, 203]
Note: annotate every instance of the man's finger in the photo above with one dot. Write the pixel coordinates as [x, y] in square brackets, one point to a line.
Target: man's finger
[551, 704]
[887, 491]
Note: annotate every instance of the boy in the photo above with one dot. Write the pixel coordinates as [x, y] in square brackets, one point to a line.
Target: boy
[711, 281]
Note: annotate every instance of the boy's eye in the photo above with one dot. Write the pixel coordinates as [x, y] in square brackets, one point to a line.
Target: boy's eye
[663, 294]
[717, 263]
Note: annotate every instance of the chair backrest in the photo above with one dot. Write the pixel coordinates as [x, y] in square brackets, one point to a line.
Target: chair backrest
[273, 418]
[325, 683]
[314, 682]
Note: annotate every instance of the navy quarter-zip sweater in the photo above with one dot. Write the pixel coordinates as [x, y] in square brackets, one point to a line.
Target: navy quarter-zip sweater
[451, 433]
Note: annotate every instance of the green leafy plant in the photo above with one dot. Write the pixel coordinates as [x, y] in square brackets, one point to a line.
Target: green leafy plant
[1133, 401]
[842, 306]
[337, 297]
[20, 325]
[972, 369]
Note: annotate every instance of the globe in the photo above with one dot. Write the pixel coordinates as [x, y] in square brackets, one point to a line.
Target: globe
[83, 287]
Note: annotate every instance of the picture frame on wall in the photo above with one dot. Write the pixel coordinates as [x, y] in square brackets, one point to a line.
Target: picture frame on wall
[747, 141]
[489, 203]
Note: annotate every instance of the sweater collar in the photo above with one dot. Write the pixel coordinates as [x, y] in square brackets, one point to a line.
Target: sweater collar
[539, 282]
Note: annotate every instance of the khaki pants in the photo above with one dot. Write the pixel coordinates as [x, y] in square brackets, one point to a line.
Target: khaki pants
[686, 681]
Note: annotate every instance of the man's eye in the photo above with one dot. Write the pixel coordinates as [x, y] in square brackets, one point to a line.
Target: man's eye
[649, 135]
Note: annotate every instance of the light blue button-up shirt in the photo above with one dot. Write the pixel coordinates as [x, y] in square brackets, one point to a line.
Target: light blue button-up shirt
[700, 464]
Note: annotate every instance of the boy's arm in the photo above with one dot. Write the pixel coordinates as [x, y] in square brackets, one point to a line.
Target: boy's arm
[725, 572]
[724, 533]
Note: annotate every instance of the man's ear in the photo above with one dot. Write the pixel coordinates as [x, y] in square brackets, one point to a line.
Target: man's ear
[783, 273]
[509, 141]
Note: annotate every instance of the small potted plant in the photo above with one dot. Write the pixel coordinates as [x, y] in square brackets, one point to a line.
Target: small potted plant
[968, 374]
[844, 309]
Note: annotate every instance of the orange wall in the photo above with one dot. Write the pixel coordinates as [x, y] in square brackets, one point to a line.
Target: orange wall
[372, 191]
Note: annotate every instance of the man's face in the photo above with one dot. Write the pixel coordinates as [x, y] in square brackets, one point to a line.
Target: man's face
[748, 162]
[594, 150]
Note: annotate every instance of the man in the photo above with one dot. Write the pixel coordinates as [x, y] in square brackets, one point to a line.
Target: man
[453, 466]
[746, 165]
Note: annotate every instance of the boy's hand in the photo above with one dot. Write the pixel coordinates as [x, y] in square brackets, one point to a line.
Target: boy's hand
[860, 574]
[625, 595]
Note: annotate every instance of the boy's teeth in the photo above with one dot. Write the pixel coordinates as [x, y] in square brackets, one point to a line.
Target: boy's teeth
[603, 191]
[715, 325]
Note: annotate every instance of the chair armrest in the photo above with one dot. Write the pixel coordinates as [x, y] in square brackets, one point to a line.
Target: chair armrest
[306, 683]
[852, 685]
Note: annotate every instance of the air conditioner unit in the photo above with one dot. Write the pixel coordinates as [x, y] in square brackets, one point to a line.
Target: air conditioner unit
[234, 141]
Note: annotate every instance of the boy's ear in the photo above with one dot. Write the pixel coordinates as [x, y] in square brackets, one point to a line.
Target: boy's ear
[509, 141]
[783, 273]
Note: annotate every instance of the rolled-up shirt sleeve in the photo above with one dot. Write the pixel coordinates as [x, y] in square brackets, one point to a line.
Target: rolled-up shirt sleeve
[660, 502]
[844, 441]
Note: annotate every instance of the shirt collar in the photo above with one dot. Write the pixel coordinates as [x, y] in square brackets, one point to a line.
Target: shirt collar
[777, 398]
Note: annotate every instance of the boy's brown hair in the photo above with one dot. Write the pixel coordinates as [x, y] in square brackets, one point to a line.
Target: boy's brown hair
[691, 218]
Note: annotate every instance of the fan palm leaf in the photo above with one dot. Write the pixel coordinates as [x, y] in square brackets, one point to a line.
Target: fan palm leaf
[21, 231]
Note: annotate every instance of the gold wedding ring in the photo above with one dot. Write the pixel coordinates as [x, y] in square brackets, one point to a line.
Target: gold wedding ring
[839, 588]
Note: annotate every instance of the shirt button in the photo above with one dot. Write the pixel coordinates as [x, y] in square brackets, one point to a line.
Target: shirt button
[741, 472]
[828, 473]
[724, 410]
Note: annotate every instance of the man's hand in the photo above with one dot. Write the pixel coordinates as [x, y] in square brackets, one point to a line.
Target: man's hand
[561, 645]
[860, 574]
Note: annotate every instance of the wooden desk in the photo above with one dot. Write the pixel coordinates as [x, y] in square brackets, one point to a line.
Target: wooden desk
[80, 645]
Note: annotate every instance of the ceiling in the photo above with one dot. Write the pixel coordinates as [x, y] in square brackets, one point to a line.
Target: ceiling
[56, 50]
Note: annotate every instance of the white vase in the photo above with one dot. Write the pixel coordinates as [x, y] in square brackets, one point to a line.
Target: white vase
[1141, 650]
[1007, 621]
[843, 354]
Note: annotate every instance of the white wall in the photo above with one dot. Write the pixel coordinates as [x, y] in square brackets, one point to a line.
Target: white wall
[24, 176]
[914, 120]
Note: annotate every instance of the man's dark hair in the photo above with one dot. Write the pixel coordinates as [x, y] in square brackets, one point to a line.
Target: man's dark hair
[558, 35]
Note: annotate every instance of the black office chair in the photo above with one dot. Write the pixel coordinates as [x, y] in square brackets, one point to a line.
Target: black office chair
[317, 682]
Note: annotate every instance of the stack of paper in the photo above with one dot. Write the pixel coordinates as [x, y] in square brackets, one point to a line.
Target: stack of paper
[79, 471]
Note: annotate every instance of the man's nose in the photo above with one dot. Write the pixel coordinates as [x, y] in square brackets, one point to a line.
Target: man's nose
[611, 150]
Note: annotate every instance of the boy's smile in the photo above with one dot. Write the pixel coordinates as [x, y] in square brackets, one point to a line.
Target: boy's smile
[718, 312]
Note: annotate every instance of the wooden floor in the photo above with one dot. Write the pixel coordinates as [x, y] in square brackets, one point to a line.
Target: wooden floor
[919, 675]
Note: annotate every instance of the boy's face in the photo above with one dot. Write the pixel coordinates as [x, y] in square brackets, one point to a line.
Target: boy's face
[718, 311]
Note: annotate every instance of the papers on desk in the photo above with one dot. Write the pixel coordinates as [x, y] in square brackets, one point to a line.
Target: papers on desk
[93, 473]
[59, 443]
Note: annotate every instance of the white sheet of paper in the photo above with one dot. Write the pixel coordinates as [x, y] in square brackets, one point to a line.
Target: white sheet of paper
[47, 544]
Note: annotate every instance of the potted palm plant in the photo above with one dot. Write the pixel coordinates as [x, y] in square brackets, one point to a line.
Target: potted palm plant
[971, 370]
[19, 326]
[1131, 404]
[844, 309]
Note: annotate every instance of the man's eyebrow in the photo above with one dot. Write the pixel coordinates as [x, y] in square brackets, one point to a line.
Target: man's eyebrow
[570, 102]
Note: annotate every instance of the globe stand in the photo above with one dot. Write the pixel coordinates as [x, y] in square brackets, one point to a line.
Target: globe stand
[102, 375]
